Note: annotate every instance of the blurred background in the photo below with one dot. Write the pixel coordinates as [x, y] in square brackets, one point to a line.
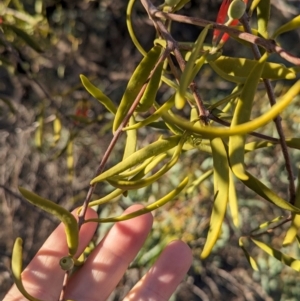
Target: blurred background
[46, 147]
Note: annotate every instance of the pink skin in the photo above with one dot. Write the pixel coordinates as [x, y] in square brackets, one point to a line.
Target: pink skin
[106, 265]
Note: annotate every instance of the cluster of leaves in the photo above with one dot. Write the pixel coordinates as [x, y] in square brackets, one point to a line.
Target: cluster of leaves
[165, 83]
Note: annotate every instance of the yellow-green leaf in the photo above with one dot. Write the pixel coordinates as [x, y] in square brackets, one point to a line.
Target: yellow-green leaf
[226, 75]
[109, 197]
[210, 132]
[242, 113]
[138, 79]
[130, 28]
[250, 259]
[136, 182]
[167, 198]
[198, 181]
[131, 140]
[39, 133]
[189, 71]
[153, 117]
[57, 127]
[233, 201]
[287, 260]
[263, 16]
[16, 265]
[61, 213]
[240, 67]
[268, 194]
[295, 225]
[149, 95]
[291, 25]
[221, 189]
[139, 156]
[253, 6]
[98, 94]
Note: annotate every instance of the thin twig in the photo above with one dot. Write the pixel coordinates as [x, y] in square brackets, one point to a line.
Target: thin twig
[271, 229]
[270, 91]
[269, 45]
[115, 138]
[63, 290]
[173, 46]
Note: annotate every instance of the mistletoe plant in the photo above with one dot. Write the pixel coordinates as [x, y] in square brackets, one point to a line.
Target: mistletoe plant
[221, 128]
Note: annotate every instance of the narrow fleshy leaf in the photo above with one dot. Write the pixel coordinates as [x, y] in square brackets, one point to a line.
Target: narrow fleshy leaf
[149, 96]
[57, 127]
[98, 94]
[221, 189]
[198, 181]
[138, 79]
[61, 213]
[139, 156]
[138, 181]
[39, 133]
[263, 16]
[167, 198]
[233, 201]
[250, 259]
[242, 113]
[188, 72]
[154, 116]
[268, 194]
[16, 263]
[286, 259]
[131, 140]
[240, 67]
[295, 225]
[253, 6]
[210, 131]
[291, 25]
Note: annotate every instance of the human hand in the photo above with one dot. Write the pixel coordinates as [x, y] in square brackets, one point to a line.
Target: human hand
[104, 268]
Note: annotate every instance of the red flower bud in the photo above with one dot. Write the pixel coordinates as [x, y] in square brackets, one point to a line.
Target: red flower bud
[221, 18]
